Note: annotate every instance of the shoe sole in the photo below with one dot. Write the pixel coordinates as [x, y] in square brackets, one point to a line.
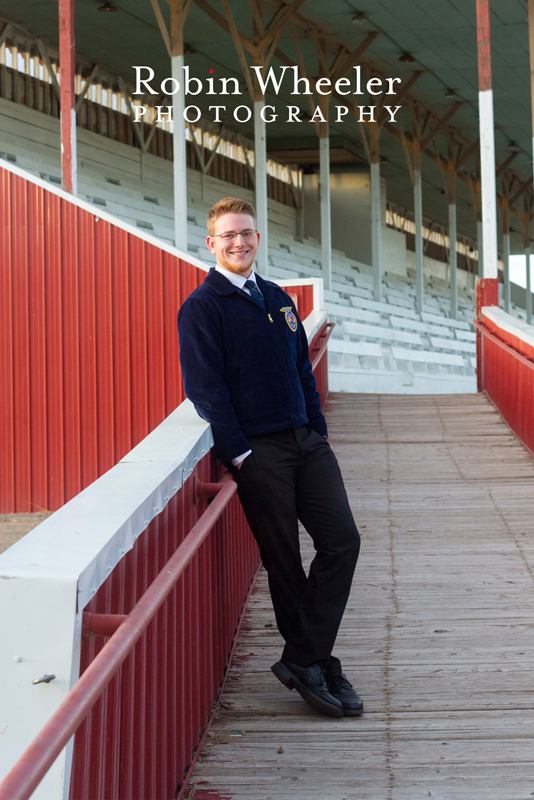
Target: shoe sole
[352, 712]
[290, 681]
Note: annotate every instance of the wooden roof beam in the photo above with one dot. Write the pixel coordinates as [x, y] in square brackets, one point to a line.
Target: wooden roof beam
[278, 23]
[220, 20]
[524, 186]
[338, 70]
[441, 124]
[506, 163]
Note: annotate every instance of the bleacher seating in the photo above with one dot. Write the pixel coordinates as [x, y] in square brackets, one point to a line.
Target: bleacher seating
[382, 346]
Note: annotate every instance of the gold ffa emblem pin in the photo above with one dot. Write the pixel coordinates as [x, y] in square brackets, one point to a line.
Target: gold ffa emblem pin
[290, 317]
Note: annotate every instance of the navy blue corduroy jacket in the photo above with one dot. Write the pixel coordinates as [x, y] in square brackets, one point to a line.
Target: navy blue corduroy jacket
[244, 373]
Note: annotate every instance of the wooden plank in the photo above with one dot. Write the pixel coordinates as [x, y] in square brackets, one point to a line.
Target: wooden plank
[437, 634]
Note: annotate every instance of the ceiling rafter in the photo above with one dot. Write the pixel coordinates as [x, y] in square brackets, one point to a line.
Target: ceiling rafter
[278, 23]
[306, 23]
[314, 29]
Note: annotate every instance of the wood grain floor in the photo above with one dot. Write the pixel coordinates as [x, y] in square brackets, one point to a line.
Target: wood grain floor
[437, 636]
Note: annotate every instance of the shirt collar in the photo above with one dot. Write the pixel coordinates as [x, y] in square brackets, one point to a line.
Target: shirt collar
[233, 277]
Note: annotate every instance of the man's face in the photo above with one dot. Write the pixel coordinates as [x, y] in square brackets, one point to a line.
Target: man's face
[234, 254]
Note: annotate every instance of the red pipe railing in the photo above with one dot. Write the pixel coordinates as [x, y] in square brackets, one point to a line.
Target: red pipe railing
[319, 359]
[26, 775]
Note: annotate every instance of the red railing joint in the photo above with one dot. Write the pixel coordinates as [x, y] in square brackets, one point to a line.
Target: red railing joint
[101, 624]
[203, 489]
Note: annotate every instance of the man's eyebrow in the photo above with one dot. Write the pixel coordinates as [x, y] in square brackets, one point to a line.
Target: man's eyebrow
[222, 233]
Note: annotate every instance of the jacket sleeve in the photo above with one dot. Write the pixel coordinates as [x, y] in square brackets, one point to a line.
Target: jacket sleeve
[202, 362]
[316, 418]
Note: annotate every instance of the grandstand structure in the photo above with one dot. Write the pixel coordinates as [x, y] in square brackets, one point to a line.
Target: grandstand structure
[393, 237]
[400, 342]
[385, 346]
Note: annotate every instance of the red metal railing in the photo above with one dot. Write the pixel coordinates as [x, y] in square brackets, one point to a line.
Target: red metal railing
[146, 696]
[319, 359]
[506, 374]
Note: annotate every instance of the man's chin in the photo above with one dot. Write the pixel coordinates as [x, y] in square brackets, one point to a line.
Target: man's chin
[242, 267]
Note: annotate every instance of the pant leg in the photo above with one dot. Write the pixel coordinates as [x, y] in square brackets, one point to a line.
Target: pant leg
[324, 510]
[266, 488]
[294, 475]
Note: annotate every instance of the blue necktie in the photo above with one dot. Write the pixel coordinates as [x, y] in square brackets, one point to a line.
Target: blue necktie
[255, 293]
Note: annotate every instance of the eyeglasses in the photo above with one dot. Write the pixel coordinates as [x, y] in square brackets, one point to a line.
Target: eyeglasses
[230, 236]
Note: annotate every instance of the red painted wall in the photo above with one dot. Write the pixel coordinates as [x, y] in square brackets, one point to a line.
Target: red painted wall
[88, 343]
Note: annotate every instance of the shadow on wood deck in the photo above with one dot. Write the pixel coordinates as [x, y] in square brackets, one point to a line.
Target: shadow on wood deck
[437, 635]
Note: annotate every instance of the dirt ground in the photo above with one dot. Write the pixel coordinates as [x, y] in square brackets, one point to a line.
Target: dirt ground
[14, 526]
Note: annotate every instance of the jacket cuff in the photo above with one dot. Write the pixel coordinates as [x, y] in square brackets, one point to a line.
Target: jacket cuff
[319, 426]
[229, 448]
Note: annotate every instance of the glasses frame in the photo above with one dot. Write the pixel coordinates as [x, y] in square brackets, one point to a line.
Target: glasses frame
[235, 235]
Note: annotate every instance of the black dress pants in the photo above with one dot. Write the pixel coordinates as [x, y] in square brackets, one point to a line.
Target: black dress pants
[293, 475]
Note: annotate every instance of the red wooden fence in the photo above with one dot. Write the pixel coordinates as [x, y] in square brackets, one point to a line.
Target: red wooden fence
[88, 342]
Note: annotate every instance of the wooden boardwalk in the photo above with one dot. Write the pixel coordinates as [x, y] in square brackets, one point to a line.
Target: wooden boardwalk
[437, 636]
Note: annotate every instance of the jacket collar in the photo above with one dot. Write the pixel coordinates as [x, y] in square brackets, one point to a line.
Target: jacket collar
[219, 282]
[224, 287]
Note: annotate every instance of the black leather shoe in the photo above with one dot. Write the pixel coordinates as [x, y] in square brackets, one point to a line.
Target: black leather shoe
[340, 688]
[310, 684]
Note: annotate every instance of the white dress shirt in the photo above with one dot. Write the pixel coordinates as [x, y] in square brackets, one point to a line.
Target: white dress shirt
[239, 281]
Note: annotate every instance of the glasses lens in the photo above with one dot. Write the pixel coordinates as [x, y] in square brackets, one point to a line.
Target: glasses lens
[246, 234]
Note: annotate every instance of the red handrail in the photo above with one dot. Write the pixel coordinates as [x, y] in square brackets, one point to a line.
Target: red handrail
[33, 765]
[325, 335]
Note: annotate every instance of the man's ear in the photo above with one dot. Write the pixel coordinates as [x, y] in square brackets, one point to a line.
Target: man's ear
[210, 244]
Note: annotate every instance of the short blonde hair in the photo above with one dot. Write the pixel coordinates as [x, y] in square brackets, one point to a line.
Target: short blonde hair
[229, 205]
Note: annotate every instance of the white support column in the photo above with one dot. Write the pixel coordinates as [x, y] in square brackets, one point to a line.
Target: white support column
[179, 164]
[489, 189]
[376, 230]
[260, 179]
[480, 246]
[453, 260]
[529, 286]
[419, 256]
[506, 270]
[326, 229]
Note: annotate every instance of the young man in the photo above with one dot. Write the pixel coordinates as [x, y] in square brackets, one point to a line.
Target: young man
[245, 364]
